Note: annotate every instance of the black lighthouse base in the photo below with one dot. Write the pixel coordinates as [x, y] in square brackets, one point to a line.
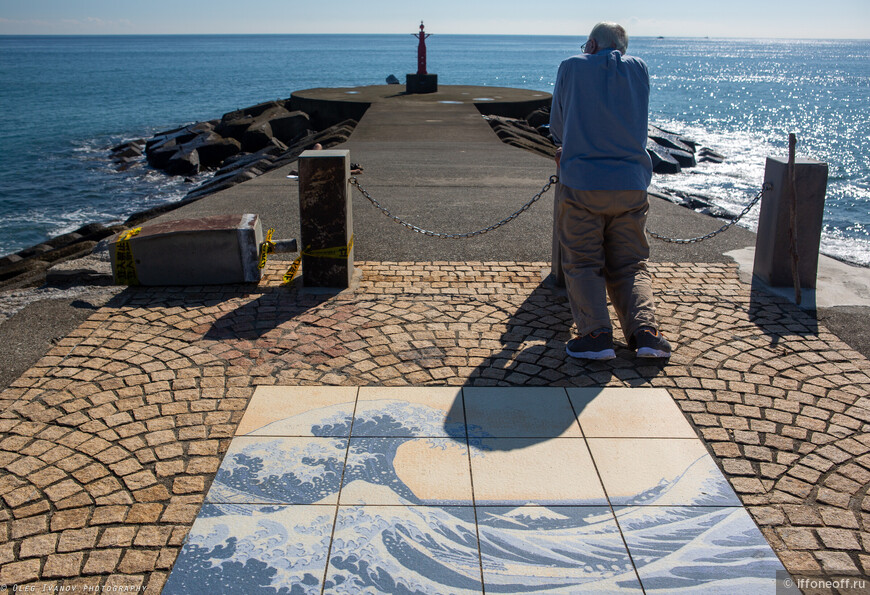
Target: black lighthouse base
[421, 83]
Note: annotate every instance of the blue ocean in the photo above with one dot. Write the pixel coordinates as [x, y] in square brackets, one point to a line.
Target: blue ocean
[67, 100]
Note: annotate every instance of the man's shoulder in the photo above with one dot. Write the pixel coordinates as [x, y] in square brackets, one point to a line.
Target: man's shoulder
[582, 59]
[634, 60]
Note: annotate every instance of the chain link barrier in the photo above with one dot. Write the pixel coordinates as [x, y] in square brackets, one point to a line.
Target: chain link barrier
[415, 228]
[745, 210]
[552, 180]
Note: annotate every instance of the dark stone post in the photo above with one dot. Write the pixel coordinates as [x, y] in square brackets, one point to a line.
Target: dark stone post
[772, 245]
[326, 218]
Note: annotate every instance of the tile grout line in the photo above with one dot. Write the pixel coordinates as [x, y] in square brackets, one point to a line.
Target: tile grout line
[473, 497]
[606, 495]
[338, 496]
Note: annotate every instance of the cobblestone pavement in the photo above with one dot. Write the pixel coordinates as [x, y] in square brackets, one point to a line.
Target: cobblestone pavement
[110, 442]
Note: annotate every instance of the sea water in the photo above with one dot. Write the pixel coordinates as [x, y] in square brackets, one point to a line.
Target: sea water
[66, 100]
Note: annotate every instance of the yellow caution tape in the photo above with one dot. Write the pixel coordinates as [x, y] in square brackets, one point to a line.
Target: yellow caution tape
[338, 252]
[265, 248]
[291, 272]
[125, 267]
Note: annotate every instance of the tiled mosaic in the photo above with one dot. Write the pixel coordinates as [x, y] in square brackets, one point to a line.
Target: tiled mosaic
[457, 490]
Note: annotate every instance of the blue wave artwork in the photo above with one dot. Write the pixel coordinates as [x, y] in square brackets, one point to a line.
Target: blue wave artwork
[273, 524]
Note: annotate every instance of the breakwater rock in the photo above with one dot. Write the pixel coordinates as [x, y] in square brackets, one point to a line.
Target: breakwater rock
[670, 152]
[29, 267]
[242, 144]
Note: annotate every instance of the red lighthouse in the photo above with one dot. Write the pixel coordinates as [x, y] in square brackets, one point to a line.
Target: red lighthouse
[422, 82]
[421, 49]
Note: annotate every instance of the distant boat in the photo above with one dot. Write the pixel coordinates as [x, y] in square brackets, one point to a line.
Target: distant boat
[659, 37]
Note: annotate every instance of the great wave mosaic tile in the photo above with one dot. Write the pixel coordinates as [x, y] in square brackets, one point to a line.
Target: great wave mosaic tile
[404, 549]
[628, 413]
[672, 471]
[681, 549]
[566, 549]
[384, 471]
[461, 490]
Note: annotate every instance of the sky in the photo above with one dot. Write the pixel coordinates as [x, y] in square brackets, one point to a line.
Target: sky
[812, 19]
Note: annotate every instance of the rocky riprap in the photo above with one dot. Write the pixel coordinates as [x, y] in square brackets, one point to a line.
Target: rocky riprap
[28, 268]
[241, 145]
[669, 151]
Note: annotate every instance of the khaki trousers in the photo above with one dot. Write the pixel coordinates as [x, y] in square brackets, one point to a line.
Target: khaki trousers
[604, 248]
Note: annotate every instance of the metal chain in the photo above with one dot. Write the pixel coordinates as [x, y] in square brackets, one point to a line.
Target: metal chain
[718, 231]
[470, 234]
[552, 180]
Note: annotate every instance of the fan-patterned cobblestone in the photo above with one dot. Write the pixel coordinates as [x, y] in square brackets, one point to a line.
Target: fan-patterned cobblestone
[109, 444]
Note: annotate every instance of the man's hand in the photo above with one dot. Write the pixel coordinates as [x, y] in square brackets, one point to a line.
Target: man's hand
[558, 156]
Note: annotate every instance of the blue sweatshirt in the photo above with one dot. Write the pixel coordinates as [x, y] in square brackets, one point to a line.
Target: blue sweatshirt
[599, 117]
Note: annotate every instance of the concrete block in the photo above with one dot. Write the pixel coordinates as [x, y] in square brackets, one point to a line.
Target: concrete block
[213, 250]
[773, 248]
[326, 218]
[421, 83]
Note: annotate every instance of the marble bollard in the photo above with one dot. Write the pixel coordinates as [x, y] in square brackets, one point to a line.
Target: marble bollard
[213, 250]
[772, 244]
[326, 218]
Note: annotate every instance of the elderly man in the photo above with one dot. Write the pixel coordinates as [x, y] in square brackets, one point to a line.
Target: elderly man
[599, 120]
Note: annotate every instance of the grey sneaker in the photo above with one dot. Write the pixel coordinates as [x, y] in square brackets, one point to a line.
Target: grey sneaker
[649, 342]
[596, 345]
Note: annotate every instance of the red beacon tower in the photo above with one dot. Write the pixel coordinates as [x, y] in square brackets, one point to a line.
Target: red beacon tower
[421, 49]
[422, 82]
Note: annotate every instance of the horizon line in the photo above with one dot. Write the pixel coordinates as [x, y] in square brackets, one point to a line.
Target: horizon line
[437, 34]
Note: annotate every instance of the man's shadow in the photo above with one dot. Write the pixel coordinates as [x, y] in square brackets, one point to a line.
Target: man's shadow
[532, 354]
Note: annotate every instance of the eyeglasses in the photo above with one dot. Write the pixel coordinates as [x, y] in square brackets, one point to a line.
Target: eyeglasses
[583, 47]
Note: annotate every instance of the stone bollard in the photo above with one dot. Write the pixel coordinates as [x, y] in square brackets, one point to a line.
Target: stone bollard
[326, 218]
[772, 245]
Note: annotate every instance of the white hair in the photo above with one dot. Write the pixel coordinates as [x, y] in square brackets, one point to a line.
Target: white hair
[610, 35]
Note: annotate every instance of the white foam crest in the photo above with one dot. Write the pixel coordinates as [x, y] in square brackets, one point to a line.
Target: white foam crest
[724, 537]
[426, 531]
[262, 536]
[854, 250]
